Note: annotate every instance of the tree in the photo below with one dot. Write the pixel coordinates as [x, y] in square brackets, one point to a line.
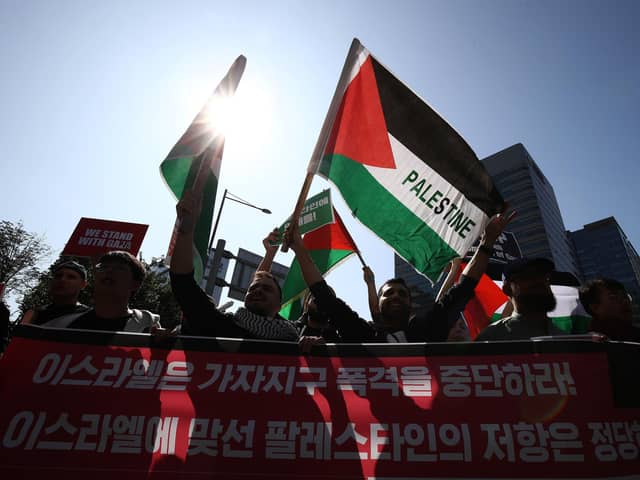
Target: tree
[20, 253]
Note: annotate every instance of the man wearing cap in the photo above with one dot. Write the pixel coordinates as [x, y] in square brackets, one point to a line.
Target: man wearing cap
[609, 305]
[69, 279]
[527, 283]
[117, 277]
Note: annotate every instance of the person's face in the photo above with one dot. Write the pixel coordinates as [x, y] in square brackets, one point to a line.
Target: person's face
[114, 279]
[531, 291]
[613, 306]
[459, 332]
[394, 301]
[66, 283]
[263, 297]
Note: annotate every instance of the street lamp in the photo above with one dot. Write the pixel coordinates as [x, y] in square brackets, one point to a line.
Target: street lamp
[233, 198]
[213, 271]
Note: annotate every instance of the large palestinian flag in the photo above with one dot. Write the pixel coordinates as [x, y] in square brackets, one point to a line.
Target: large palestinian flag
[194, 162]
[402, 169]
[328, 246]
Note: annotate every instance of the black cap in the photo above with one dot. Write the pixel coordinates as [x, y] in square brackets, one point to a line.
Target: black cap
[71, 265]
[543, 265]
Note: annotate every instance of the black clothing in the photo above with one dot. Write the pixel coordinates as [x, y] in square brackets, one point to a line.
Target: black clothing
[51, 311]
[90, 321]
[434, 327]
[328, 332]
[202, 317]
[5, 327]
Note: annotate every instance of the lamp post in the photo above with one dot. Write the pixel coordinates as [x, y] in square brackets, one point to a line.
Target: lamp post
[213, 272]
[233, 198]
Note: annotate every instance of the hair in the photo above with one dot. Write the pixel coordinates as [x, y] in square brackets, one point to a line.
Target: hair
[265, 274]
[308, 294]
[397, 280]
[135, 265]
[591, 291]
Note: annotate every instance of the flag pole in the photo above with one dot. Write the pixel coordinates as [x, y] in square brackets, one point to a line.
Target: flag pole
[298, 209]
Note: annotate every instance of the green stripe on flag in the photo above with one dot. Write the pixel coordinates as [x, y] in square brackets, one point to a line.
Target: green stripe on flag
[387, 217]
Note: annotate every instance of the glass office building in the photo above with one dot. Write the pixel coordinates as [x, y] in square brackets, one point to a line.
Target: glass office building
[603, 250]
[538, 227]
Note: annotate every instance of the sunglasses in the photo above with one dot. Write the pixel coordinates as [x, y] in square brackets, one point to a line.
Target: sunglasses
[113, 266]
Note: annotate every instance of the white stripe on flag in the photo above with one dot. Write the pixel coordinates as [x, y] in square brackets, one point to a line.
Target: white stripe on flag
[407, 162]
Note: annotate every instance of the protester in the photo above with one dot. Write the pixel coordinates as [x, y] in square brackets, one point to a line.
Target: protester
[69, 279]
[117, 277]
[609, 305]
[459, 332]
[258, 318]
[313, 325]
[527, 283]
[394, 299]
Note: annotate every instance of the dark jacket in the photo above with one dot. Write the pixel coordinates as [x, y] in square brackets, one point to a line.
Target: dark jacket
[433, 327]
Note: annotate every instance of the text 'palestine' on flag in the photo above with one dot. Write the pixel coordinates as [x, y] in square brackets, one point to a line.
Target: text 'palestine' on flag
[328, 246]
[194, 162]
[403, 170]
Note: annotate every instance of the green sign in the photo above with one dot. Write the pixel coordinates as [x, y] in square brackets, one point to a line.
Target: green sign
[317, 212]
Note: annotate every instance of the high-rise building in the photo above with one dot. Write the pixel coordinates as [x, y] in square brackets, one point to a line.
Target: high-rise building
[538, 226]
[603, 250]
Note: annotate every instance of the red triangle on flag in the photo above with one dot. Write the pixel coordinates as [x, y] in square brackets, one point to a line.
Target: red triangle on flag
[359, 129]
[488, 297]
[333, 236]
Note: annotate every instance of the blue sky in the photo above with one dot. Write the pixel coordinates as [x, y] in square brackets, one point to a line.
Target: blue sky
[95, 94]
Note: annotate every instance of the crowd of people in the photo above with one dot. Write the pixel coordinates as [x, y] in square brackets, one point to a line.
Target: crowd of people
[326, 318]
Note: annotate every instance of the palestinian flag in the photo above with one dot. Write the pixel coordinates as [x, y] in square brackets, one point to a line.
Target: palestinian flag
[569, 314]
[328, 246]
[479, 310]
[194, 162]
[403, 170]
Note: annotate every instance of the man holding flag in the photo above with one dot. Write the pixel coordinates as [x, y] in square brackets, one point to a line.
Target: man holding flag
[259, 317]
[397, 325]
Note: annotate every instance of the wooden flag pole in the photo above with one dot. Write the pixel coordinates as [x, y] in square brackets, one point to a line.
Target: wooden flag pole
[297, 210]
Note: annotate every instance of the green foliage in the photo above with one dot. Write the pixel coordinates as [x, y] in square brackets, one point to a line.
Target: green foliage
[20, 253]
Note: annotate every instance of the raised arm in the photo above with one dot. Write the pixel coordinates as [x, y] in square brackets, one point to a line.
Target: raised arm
[372, 293]
[270, 251]
[451, 278]
[310, 271]
[478, 264]
[187, 211]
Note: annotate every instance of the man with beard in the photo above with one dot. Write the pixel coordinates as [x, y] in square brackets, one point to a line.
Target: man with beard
[527, 283]
[313, 325]
[258, 319]
[609, 305]
[396, 325]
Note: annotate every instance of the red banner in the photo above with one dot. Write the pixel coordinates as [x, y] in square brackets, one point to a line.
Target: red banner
[227, 409]
[93, 237]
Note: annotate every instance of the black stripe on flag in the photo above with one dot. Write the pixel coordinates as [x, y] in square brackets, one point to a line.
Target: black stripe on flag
[420, 129]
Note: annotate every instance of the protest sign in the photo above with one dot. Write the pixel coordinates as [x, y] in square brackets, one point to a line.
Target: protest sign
[93, 237]
[102, 404]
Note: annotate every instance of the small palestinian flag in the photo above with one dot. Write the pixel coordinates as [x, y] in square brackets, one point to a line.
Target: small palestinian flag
[403, 170]
[194, 162]
[569, 314]
[328, 246]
